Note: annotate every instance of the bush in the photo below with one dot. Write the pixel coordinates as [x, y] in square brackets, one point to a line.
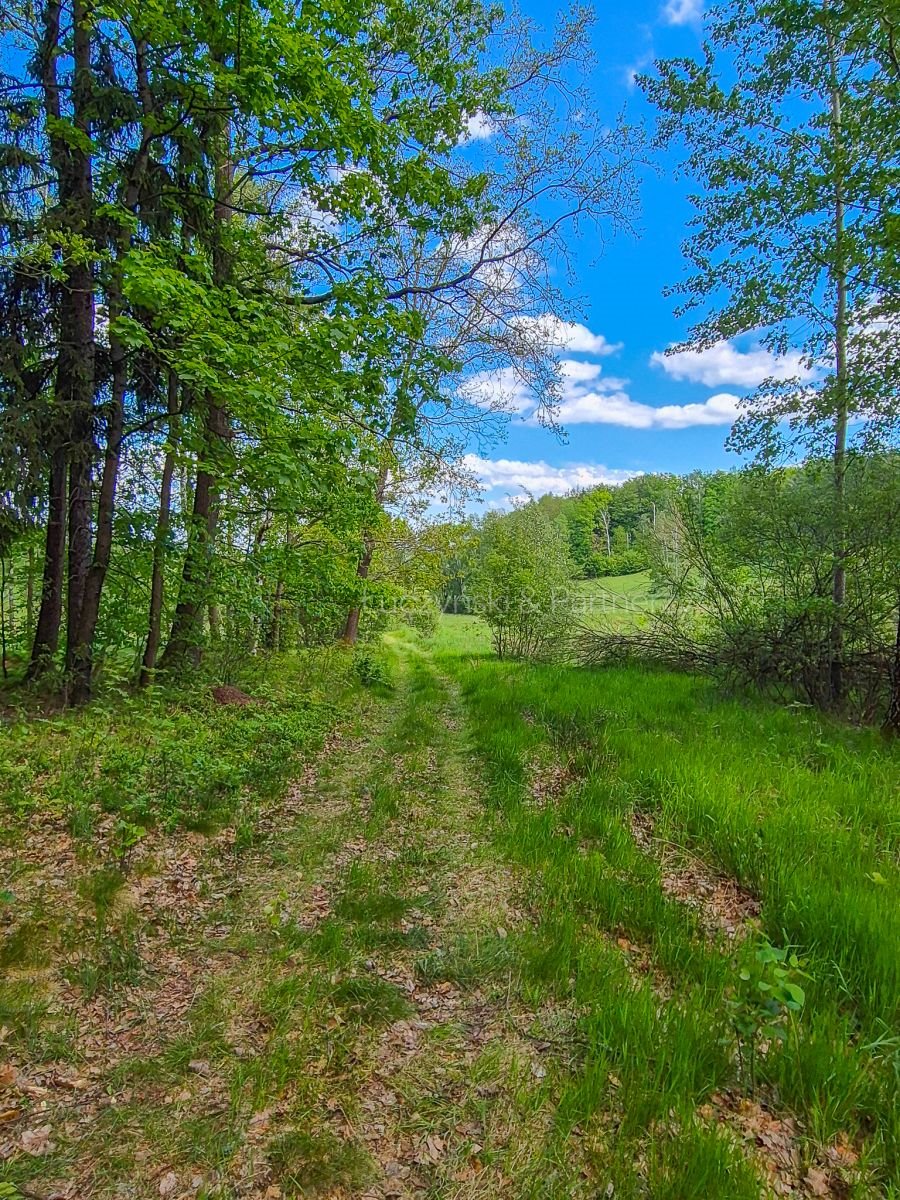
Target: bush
[423, 616]
[168, 757]
[746, 562]
[371, 667]
[522, 583]
[625, 562]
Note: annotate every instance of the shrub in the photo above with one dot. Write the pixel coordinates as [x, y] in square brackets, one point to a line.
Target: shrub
[371, 667]
[522, 583]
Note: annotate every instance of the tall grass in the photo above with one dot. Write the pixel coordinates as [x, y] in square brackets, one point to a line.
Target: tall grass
[802, 812]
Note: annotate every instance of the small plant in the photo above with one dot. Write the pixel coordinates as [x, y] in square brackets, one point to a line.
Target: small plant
[766, 1003]
[127, 836]
[369, 1000]
[371, 669]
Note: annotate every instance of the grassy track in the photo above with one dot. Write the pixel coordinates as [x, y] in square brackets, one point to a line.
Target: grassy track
[331, 1012]
[489, 944]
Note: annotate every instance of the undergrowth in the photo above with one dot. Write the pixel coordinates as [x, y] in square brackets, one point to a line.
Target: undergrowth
[168, 757]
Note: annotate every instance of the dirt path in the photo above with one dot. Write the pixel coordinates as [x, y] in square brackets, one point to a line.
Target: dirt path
[331, 1014]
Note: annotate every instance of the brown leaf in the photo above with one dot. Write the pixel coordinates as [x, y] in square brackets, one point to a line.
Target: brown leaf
[168, 1184]
[37, 1141]
[842, 1154]
[817, 1182]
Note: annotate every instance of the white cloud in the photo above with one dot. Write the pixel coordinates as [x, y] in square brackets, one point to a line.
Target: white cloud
[477, 127]
[682, 12]
[502, 391]
[540, 477]
[590, 398]
[579, 372]
[561, 335]
[617, 408]
[723, 363]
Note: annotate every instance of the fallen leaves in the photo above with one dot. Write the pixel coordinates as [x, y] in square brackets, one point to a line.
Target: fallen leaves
[431, 1149]
[37, 1142]
[779, 1142]
[168, 1184]
[816, 1182]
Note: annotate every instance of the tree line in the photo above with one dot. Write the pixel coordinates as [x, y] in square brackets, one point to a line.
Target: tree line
[250, 256]
[246, 253]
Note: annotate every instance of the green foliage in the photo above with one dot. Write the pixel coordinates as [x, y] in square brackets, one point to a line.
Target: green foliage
[522, 582]
[608, 528]
[248, 218]
[372, 667]
[788, 125]
[766, 1002]
[308, 1163]
[745, 560]
[168, 757]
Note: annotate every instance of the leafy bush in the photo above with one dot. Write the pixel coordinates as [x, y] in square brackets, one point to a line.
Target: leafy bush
[371, 667]
[626, 562]
[423, 615]
[746, 562]
[765, 1004]
[522, 582]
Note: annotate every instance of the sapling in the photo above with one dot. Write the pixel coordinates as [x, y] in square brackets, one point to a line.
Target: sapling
[766, 1003]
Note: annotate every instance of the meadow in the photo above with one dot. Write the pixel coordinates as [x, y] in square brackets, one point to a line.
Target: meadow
[418, 922]
[674, 836]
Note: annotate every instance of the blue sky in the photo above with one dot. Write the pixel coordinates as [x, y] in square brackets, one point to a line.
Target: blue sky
[627, 407]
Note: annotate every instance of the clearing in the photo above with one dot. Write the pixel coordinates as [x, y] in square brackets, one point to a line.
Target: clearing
[500, 937]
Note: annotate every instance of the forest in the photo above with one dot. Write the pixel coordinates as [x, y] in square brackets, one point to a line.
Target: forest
[362, 836]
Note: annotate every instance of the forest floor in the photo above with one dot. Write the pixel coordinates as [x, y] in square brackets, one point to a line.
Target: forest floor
[489, 943]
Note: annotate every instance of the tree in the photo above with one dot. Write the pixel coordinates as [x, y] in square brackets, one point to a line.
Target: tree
[483, 303]
[790, 131]
[522, 582]
[200, 290]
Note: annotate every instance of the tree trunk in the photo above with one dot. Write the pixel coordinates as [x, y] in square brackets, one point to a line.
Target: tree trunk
[214, 617]
[29, 594]
[82, 657]
[186, 636]
[157, 581]
[272, 640]
[604, 517]
[46, 635]
[81, 653]
[5, 667]
[892, 720]
[839, 451]
[73, 384]
[75, 372]
[350, 635]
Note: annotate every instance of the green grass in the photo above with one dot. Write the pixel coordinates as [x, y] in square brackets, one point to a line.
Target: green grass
[485, 971]
[804, 813]
[168, 757]
[312, 1163]
[617, 602]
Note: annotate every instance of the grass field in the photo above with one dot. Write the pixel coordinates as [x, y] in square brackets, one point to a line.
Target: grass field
[670, 830]
[619, 602]
[511, 931]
